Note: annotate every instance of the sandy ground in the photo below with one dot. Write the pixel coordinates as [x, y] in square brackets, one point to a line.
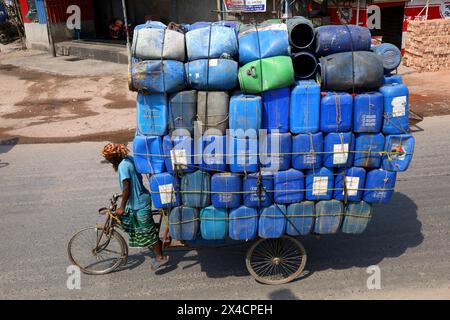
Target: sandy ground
[429, 92]
[45, 99]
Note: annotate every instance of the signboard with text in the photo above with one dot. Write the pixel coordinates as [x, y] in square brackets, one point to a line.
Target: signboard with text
[246, 5]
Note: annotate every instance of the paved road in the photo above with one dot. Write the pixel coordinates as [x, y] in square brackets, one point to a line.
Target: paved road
[49, 191]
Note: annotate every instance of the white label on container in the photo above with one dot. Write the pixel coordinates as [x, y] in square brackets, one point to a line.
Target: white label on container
[309, 159]
[225, 197]
[340, 155]
[165, 193]
[197, 75]
[179, 158]
[213, 62]
[352, 184]
[399, 106]
[369, 120]
[320, 186]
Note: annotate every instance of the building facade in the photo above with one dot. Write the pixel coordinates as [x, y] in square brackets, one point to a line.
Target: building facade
[97, 15]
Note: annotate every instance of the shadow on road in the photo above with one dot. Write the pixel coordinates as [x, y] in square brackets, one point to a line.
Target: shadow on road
[282, 294]
[7, 144]
[394, 228]
[134, 261]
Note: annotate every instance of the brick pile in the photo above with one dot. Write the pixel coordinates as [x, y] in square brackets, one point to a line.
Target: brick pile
[428, 45]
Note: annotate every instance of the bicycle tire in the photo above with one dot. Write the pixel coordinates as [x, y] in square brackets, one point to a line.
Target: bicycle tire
[115, 235]
[258, 245]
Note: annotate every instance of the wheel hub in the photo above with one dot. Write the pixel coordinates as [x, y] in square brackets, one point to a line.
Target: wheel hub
[276, 261]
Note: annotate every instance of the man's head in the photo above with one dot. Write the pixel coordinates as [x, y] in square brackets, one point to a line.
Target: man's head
[114, 153]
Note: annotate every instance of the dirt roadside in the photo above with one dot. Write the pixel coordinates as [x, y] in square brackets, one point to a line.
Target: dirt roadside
[43, 107]
[49, 107]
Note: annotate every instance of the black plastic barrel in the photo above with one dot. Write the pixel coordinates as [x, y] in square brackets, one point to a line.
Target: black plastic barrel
[301, 32]
[305, 64]
[347, 71]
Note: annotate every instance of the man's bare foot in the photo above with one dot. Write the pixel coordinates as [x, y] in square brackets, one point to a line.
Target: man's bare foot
[158, 262]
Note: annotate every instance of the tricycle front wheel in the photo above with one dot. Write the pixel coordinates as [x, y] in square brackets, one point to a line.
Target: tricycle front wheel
[276, 261]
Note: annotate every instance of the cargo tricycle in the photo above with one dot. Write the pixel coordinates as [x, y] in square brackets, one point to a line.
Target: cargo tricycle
[100, 250]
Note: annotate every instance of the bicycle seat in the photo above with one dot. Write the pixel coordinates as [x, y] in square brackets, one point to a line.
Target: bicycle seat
[103, 211]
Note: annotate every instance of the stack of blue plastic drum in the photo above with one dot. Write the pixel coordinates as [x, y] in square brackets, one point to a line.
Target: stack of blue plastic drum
[310, 157]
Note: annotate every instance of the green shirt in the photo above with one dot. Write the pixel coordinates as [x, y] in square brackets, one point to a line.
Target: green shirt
[139, 196]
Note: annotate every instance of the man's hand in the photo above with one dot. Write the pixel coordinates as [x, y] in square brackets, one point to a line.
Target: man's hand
[125, 195]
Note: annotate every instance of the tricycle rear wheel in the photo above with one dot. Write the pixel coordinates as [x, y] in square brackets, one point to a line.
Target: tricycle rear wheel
[276, 261]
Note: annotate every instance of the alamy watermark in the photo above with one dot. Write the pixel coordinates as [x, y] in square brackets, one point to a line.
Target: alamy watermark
[74, 279]
[374, 280]
[74, 19]
[240, 147]
[373, 17]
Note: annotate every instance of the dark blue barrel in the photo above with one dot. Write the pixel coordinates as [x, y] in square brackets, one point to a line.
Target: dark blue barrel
[336, 112]
[195, 189]
[328, 216]
[243, 223]
[390, 55]
[183, 112]
[289, 186]
[300, 218]
[367, 150]
[354, 180]
[348, 71]
[178, 153]
[400, 150]
[275, 109]
[151, 111]
[214, 74]
[342, 38]
[305, 107]
[148, 154]
[380, 186]
[214, 223]
[301, 32]
[319, 184]
[211, 42]
[338, 148]
[245, 114]
[164, 189]
[272, 221]
[392, 78]
[276, 151]
[396, 108]
[357, 216]
[258, 190]
[184, 223]
[158, 76]
[368, 112]
[262, 41]
[305, 64]
[307, 151]
[213, 153]
[243, 155]
[226, 190]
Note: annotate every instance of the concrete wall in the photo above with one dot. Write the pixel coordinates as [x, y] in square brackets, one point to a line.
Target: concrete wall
[190, 11]
[182, 11]
[37, 36]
